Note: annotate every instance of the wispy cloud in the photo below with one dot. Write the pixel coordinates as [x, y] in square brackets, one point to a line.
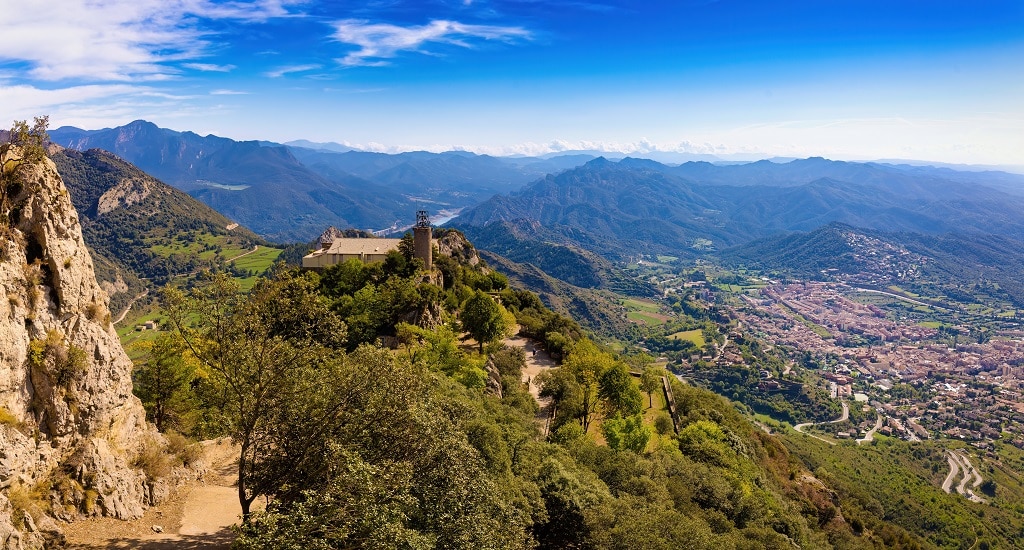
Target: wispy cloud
[117, 40]
[281, 71]
[228, 92]
[378, 42]
[209, 67]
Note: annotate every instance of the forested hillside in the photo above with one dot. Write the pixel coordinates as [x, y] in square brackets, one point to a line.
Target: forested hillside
[138, 227]
[436, 444]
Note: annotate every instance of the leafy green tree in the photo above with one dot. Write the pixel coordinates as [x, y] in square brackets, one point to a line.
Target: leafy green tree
[163, 383]
[262, 351]
[362, 506]
[574, 385]
[31, 139]
[626, 433]
[619, 391]
[650, 382]
[485, 319]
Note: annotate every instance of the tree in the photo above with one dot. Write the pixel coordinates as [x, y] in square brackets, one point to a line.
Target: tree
[574, 385]
[650, 382]
[163, 383]
[485, 319]
[263, 352]
[31, 139]
[24, 144]
[626, 434]
[619, 391]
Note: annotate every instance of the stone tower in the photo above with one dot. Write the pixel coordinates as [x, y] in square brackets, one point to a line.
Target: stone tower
[421, 237]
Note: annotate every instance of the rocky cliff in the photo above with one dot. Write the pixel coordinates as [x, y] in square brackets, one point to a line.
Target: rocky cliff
[70, 429]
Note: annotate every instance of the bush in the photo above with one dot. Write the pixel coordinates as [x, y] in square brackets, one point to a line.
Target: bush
[7, 418]
[188, 452]
[663, 424]
[153, 460]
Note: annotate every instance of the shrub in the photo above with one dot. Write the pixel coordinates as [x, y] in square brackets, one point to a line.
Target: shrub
[188, 451]
[663, 424]
[153, 460]
[7, 418]
[64, 363]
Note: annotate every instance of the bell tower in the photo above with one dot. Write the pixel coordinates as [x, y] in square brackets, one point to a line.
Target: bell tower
[421, 238]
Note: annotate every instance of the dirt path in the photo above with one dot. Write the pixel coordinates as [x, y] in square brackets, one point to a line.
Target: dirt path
[198, 515]
[129, 306]
[537, 361]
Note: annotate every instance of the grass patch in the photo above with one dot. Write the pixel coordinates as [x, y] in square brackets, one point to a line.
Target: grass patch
[641, 305]
[651, 415]
[695, 336]
[256, 263]
[930, 324]
[647, 318]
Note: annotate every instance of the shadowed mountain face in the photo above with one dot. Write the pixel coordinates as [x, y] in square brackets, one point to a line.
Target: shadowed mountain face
[639, 206]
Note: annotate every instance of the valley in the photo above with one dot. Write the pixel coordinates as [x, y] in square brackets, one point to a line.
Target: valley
[832, 346]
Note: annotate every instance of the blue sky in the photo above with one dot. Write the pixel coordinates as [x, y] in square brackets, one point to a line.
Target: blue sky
[858, 79]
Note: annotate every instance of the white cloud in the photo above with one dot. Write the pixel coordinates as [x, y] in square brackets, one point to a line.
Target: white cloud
[228, 92]
[116, 40]
[209, 67]
[381, 41]
[25, 100]
[281, 71]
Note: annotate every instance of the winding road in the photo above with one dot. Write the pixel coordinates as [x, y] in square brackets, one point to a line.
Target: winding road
[870, 436]
[957, 462]
[954, 469]
[129, 306]
[845, 416]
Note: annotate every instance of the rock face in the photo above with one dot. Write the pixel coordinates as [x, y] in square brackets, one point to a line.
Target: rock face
[70, 427]
[453, 243]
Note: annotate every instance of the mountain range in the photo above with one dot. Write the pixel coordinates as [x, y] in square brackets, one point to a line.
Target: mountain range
[572, 216]
[638, 206]
[291, 193]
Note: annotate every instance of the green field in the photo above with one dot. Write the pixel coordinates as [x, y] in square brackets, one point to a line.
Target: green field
[257, 262]
[646, 318]
[644, 311]
[200, 246]
[641, 305]
[133, 340]
[696, 336]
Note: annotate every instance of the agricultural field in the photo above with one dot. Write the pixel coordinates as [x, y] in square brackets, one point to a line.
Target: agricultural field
[696, 336]
[254, 264]
[644, 312]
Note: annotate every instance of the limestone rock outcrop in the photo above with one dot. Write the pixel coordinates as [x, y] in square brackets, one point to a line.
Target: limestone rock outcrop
[70, 428]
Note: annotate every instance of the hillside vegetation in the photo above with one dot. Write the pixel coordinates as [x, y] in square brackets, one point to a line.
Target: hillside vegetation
[435, 443]
[143, 233]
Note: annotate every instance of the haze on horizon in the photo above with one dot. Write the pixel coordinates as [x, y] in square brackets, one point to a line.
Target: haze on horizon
[939, 81]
